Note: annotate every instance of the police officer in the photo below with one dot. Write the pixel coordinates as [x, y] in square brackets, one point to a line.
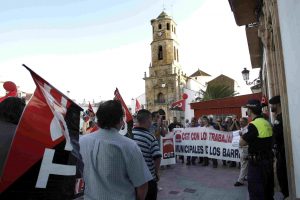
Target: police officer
[259, 139]
[279, 145]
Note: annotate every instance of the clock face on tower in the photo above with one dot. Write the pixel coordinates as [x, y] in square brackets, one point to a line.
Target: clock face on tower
[159, 33]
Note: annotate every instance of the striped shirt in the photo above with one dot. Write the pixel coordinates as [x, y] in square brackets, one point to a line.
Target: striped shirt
[113, 166]
[149, 147]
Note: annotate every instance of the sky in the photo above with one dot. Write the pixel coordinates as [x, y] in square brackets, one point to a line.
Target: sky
[90, 47]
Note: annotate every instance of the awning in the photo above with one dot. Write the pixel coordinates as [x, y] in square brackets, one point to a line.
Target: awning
[254, 46]
[244, 11]
[225, 106]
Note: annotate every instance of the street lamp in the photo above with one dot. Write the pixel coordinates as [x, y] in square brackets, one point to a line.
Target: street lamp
[245, 74]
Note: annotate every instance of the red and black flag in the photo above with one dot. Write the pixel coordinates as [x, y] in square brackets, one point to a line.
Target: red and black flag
[90, 108]
[178, 105]
[137, 106]
[126, 130]
[44, 160]
[127, 113]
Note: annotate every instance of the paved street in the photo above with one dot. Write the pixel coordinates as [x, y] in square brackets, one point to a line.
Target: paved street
[181, 182]
[198, 182]
[195, 182]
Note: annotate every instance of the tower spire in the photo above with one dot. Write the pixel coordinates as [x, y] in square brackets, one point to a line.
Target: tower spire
[164, 8]
[172, 14]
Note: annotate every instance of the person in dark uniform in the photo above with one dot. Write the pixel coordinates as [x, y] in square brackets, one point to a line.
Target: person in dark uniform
[260, 157]
[279, 146]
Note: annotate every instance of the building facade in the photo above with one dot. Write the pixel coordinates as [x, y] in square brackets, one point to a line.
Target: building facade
[222, 80]
[272, 30]
[224, 107]
[166, 80]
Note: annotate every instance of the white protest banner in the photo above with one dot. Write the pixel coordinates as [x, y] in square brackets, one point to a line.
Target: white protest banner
[206, 142]
[167, 149]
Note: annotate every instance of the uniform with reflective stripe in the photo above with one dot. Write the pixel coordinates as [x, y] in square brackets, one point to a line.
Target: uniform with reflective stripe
[263, 126]
[260, 171]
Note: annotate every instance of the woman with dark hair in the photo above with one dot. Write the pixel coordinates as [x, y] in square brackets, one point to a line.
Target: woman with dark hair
[11, 110]
[206, 124]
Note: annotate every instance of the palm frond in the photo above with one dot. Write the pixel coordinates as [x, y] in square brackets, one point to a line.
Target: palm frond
[217, 92]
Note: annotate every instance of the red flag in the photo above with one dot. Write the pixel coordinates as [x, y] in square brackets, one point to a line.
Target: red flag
[137, 105]
[41, 163]
[127, 128]
[178, 105]
[90, 108]
[127, 113]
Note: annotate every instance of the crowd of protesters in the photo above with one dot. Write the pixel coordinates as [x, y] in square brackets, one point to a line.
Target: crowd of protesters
[128, 168]
[149, 127]
[225, 123]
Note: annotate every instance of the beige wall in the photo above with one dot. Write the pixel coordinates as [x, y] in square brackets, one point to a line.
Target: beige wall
[289, 17]
[166, 75]
[276, 73]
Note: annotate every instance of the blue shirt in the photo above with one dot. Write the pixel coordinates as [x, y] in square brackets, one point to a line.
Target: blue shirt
[113, 166]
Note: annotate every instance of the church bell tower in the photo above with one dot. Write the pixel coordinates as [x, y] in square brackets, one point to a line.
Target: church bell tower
[164, 84]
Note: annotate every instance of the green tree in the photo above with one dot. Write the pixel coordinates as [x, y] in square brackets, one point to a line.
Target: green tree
[217, 92]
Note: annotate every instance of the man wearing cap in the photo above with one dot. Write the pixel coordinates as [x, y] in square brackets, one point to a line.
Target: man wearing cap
[279, 145]
[259, 139]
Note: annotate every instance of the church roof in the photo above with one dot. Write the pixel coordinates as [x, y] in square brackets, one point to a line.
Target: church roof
[222, 80]
[222, 76]
[199, 73]
[163, 14]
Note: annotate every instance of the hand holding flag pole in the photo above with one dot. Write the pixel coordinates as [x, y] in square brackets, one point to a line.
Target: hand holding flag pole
[128, 119]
